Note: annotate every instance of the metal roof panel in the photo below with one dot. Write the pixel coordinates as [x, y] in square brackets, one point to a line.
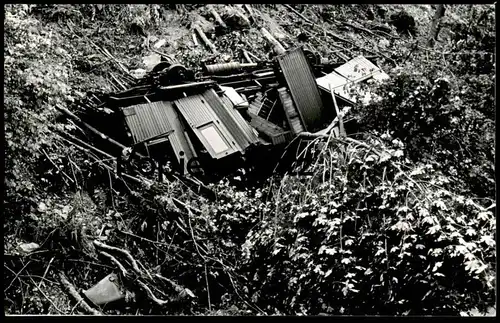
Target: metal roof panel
[232, 119]
[147, 121]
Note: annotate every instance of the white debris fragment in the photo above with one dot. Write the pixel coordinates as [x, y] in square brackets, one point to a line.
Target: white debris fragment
[160, 43]
[28, 247]
[42, 207]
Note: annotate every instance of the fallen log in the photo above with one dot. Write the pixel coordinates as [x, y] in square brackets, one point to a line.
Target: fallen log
[71, 290]
[250, 11]
[278, 48]
[217, 17]
[247, 57]
[89, 127]
[239, 11]
[298, 14]
[205, 39]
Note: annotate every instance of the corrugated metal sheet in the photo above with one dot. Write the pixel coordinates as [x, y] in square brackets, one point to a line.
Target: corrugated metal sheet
[147, 121]
[303, 88]
[234, 122]
[195, 110]
[358, 69]
[291, 112]
[200, 115]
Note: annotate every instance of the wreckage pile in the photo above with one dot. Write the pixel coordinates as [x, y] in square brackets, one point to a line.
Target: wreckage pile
[222, 175]
[220, 116]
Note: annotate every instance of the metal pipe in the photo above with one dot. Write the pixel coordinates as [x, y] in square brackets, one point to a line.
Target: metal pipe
[228, 67]
[188, 85]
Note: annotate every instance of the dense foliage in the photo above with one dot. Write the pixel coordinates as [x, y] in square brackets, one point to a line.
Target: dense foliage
[443, 108]
[371, 233]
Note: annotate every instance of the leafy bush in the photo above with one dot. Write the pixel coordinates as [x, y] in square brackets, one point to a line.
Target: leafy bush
[371, 234]
[443, 108]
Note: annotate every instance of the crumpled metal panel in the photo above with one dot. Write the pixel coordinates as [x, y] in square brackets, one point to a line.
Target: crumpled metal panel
[359, 69]
[303, 88]
[198, 113]
[147, 121]
[232, 119]
[105, 291]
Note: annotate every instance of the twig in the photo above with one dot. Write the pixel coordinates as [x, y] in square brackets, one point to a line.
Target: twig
[118, 81]
[123, 252]
[46, 297]
[253, 55]
[116, 262]
[152, 241]
[55, 165]
[182, 291]
[339, 114]
[208, 289]
[298, 14]
[17, 275]
[151, 295]
[89, 262]
[46, 271]
[73, 292]
[245, 54]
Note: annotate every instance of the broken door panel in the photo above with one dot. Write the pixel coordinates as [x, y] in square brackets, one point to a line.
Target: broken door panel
[207, 126]
[147, 121]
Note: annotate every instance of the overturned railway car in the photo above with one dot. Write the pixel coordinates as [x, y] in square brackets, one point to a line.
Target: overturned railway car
[234, 115]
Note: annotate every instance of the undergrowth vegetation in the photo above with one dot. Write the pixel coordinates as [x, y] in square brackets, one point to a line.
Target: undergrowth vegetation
[398, 219]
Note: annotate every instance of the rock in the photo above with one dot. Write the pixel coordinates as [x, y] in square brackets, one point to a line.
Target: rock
[27, 248]
[404, 22]
[42, 207]
[138, 73]
[160, 43]
[381, 11]
[383, 43]
[151, 61]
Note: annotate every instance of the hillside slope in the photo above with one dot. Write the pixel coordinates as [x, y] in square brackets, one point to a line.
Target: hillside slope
[398, 219]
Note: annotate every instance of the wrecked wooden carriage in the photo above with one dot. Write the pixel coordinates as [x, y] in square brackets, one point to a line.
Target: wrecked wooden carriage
[216, 118]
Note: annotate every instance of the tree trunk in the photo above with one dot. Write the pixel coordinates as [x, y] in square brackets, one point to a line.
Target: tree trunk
[436, 25]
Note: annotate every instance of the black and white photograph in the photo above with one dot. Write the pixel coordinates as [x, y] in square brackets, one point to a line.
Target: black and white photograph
[250, 160]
